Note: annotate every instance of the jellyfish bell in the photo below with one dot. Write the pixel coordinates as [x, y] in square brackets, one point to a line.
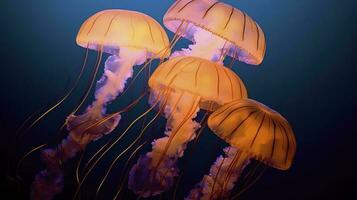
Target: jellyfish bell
[183, 85]
[111, 30]
[253, 131]
[216, 29]
[261, 131]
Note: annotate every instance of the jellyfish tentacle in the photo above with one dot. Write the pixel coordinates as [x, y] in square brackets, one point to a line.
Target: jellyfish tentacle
[79, 165]
[218, 172]
[224, 173]
[227, 173]
[125, 169]
[50, 179]
[156, 98]
[223, 53]
[45, 113]
[91, 80]
[108, 143]
[130, 146]
[193, 136]
[163, 105]
[114, 143]
[26, 123]
[18, 166]
[58, 103]
[178, 33]
[230, 66]
[231, 171]
[192, 111]
[203, 124]
[166, 150]
[246, 187]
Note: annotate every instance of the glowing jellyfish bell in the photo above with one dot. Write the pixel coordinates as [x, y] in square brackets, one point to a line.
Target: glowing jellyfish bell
[131, 38]
[217, 30]
[183, 86]
[254, 131]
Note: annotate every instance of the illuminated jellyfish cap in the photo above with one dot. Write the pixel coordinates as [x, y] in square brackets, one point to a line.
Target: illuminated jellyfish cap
[112, 29]
[257, 130]
[245, 38]
[214, 83]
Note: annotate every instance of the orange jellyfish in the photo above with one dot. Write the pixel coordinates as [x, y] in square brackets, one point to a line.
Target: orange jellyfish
[131, 38]
[183, 85]
[253, 131]
[216, 30]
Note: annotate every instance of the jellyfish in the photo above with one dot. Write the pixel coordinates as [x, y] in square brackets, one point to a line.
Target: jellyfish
[216, 30]
[188, 84]
[131, 38]
[253, 131]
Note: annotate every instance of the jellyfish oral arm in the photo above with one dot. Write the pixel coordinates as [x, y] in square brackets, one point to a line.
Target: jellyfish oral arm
[154, 173]
[222, 176]
[118, 69]
[206, 45]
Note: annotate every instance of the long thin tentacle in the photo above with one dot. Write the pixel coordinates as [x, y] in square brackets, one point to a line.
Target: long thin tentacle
[38, 119]
[19, 163]
[134, 153]
[130, 106]
[230, 172]
[218, 172]
[249, 185]
[112, 145]
[130, 146]
[18, 166]
[92, 80]
[172, 135]
[233, 58]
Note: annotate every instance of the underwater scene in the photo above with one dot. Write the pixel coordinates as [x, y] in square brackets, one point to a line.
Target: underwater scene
[178, 99]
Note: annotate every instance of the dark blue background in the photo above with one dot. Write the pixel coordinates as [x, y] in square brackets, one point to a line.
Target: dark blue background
[309, 75]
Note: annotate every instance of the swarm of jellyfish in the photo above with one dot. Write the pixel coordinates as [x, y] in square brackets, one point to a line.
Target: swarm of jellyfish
[185, 82]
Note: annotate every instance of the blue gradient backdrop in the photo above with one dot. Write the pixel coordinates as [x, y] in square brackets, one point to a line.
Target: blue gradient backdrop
[309, 75]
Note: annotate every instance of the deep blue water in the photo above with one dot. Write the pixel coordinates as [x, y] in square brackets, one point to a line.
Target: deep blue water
[309, 75]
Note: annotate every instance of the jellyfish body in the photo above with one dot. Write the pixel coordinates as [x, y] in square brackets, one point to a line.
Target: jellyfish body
[131, 38]
[253, 131]
[187, 85]
[216, 29]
